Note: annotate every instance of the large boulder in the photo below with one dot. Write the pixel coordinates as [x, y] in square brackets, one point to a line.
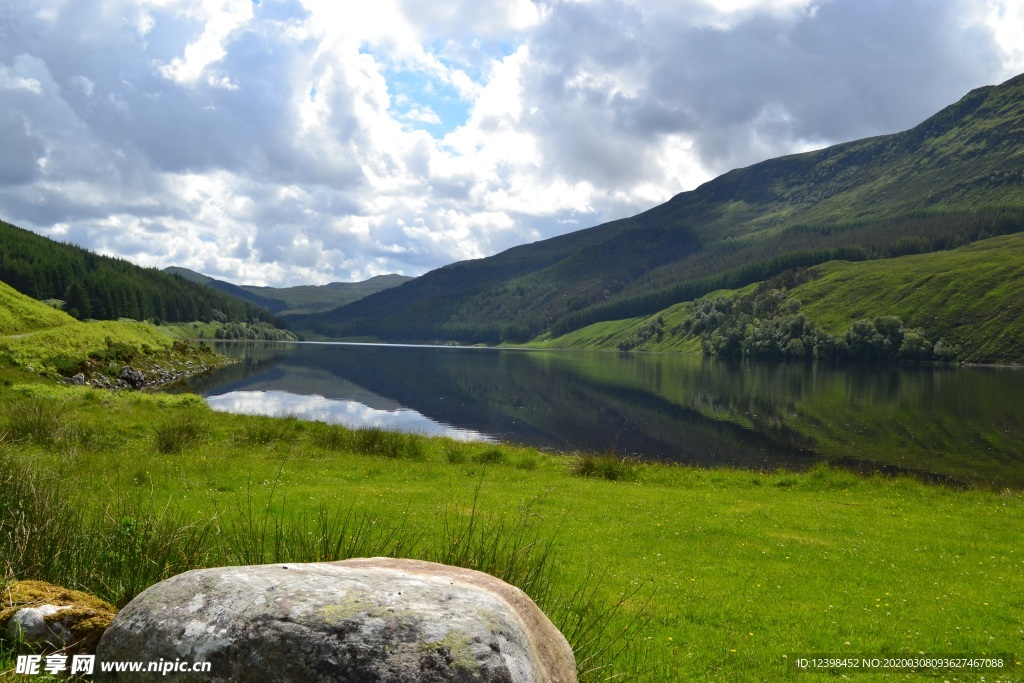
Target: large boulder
[378, 619]
[132, 377]
[53, 618]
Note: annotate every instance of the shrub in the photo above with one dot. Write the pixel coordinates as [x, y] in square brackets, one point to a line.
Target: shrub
[915, 346]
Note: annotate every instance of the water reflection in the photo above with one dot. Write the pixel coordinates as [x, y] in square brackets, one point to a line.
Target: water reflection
[352, 414]
[955, 422]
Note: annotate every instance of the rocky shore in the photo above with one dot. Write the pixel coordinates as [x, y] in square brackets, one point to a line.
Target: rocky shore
[153, 376]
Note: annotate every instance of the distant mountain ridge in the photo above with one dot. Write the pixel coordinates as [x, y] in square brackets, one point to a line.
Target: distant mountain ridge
[299, 299]
[955, 178]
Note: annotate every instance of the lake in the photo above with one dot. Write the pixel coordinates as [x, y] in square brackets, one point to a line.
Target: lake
[948, 423]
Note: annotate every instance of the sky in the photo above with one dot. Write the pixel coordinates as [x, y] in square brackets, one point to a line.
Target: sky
[285, 142]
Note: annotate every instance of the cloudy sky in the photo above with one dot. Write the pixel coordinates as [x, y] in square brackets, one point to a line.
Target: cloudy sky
[284, 142]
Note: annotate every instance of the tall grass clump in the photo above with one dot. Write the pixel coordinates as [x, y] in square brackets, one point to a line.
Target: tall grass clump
[181, 430]
[608, 466]
[490, 456]
[259, 430]
[608, 639]
[271, 532]
[331, 437]
[519, 548]
[368, 440]
[36, 418]
[455, 452]
[390, 444]
[115, 551]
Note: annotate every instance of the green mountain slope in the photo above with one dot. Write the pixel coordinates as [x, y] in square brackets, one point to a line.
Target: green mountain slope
[20, 314]
[105, 288]
[972, 297]
[36, 336]
[956, 178]
[300, 299]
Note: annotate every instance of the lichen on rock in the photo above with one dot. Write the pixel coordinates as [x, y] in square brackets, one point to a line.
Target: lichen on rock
[368, 619]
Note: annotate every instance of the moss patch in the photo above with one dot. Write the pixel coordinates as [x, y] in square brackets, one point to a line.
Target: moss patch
[87, 619]
[457, 649]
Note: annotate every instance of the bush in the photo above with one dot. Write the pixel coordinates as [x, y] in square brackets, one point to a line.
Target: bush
[915, 346]
[945, 351]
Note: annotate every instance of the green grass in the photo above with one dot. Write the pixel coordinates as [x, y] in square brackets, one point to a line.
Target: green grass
[726, 573]
[20, 314]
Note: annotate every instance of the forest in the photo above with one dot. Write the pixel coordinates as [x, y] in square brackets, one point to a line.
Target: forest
[105, 288]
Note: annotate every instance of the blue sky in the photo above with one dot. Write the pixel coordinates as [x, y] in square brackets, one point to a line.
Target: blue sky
[306, 141]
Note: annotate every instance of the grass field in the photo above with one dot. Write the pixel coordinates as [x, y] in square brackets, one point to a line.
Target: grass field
[718, 575]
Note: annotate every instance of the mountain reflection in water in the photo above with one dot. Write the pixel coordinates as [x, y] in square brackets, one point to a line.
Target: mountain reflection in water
[948, 422]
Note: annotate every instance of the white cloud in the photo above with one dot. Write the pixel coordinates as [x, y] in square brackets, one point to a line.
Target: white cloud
[221, 19]
[315, 141]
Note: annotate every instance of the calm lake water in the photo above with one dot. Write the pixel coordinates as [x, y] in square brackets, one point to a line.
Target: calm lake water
[944, 422]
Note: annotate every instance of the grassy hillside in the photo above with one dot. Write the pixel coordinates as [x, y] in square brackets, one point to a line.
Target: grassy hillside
[20, 314]
[300, 299]
[51, 343]
[104, 288]
[956, 178]
[973, 297]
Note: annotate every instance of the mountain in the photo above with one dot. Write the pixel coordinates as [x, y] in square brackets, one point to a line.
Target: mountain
[269, 303]
[956, 178]
[106, 288]
[317, 298]
[300, 299]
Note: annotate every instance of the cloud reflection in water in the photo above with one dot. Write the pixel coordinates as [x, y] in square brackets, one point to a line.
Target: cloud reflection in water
[351, 414]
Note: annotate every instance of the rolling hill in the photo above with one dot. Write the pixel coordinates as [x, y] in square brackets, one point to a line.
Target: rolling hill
[956, 178]
[300, 299]
[971, 296]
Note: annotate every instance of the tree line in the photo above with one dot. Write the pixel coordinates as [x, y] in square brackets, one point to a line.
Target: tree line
[106, 288]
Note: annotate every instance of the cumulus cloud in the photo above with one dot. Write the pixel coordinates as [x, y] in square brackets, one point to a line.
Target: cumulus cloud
[291, 141]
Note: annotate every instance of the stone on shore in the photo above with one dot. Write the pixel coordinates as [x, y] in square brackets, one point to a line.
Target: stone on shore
[132, 377]
[376, 619]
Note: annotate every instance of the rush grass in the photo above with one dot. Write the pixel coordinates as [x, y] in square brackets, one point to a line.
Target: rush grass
[716, 575]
